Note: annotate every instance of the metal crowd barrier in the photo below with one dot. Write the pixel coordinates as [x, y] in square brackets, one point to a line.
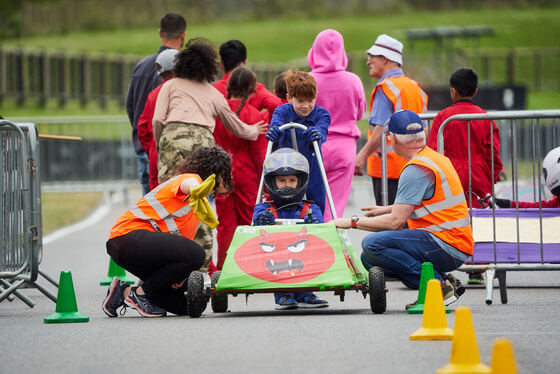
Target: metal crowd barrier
[515, 255]
[104, 159]
[20, 217]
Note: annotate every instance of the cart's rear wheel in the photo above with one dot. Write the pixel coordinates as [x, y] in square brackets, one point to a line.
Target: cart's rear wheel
[196, 298]
[219, 301]
[377, 291]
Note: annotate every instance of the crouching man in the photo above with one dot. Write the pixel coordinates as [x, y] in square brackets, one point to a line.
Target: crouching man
[431, 200]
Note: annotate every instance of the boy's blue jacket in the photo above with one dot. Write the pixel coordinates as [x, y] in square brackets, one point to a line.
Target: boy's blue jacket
[318, 118]
[292, 211]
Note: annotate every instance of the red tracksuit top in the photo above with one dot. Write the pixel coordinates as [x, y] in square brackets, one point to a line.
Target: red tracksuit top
[455, 148]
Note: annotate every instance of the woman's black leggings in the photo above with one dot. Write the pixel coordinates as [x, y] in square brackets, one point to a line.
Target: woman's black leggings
[159, 260]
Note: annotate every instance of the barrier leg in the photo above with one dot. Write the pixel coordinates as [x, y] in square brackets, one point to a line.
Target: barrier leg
[44, 291]
[489, 278]
[47, 277]
[11, 288]
[501, 274]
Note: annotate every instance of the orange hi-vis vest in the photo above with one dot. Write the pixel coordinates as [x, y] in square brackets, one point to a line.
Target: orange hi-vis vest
[404, 93]
[165, 208]
[445, 214]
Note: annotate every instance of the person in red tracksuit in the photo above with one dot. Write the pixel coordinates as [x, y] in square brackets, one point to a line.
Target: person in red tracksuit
[165, 62]
[551, 175]
[233, 53]
[247, 160]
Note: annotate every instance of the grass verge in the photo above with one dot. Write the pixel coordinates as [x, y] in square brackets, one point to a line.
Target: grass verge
[63, 209]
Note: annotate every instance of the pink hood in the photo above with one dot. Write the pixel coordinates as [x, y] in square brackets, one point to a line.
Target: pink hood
[327, 53]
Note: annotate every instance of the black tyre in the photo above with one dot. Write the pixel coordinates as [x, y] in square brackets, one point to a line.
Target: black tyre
[218, 301]
[196, 297]
[377, 291]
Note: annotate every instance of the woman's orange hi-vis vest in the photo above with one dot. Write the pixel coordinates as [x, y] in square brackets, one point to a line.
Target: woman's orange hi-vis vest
[164, 209]
[446, 214]
[404, 93]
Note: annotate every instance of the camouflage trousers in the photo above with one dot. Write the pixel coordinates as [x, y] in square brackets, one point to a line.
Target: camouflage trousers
[177, 141]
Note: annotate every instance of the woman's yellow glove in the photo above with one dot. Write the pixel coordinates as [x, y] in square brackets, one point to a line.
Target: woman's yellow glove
[199, 202]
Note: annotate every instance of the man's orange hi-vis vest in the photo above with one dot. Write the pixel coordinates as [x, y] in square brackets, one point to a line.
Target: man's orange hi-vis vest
[164, 209]
[404, 93]
[445, 214]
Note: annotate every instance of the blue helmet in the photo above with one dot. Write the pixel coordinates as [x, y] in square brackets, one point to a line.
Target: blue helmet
[286, 161]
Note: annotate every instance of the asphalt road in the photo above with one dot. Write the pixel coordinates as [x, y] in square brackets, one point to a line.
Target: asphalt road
[253, 337]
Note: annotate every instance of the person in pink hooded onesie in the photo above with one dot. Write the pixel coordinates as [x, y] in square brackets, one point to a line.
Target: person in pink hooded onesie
[342, 94]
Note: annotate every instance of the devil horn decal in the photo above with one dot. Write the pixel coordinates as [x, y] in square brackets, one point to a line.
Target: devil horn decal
[265, 235]
[302, 233]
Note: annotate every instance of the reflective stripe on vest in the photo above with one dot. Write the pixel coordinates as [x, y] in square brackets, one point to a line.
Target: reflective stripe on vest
[404, 93]
[161, 211]
[445, 214]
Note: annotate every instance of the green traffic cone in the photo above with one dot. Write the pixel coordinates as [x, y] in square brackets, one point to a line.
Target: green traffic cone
[425, 276]
[115, 271]
[66, 307]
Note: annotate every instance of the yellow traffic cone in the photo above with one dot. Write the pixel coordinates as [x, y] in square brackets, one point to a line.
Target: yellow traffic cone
[434, 322]
[464, 349]
[503, 360]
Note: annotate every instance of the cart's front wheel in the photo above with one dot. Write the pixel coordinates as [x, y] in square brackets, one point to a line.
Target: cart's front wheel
[377, 291]
[196, 297]
[219, 301]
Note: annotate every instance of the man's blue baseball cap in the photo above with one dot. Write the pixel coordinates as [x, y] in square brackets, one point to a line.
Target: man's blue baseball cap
[399, 122]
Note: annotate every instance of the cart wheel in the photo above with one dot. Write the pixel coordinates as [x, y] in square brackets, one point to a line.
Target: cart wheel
[219, 300]
[196, 298]
[377, 291]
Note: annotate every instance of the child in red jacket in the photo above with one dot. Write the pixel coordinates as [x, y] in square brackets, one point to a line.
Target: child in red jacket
[551, 174]
[247, 160]
[280, 89]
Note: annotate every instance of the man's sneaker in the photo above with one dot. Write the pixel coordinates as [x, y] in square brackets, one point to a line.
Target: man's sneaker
[143, 305]
[408, 306]
[286, 302]
[312, 301]
[475, 278]
[449, 295]
[457, 285]
[115, 297]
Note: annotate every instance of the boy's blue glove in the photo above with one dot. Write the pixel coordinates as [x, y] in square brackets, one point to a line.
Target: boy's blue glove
[274, 134]
[265, 218]
[309, 219]
[312, 134]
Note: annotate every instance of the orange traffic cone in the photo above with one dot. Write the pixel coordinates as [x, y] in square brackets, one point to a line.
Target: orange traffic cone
[464, 349]
[503, 360]
[434, 322]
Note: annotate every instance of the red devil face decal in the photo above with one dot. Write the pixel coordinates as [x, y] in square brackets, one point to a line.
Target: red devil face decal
[285, 257]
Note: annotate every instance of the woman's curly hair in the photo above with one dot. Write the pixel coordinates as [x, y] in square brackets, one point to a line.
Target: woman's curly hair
[198, 61]
[207, 161]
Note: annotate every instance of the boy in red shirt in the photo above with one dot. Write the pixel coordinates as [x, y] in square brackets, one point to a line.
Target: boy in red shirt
[463, 84]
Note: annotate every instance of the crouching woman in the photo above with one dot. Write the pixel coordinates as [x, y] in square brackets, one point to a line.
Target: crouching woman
[153, 239]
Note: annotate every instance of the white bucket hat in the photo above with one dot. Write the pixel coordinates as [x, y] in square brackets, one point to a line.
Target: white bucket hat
[388, 47]
[165, 61]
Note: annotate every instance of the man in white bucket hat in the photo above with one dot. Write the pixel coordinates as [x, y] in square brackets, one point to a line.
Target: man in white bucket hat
[393, 92]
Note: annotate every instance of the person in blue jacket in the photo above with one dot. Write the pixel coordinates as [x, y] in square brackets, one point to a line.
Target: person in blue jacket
[286, 175]
[301, 108]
